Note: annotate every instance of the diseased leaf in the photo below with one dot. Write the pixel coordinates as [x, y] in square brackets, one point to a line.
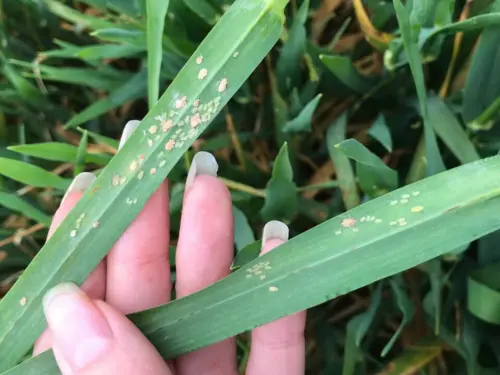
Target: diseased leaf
[119, 194]
[334, 263]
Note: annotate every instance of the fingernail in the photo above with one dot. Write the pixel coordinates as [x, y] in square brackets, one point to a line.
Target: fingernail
[275, 230]
[78, 328]
[127, 131]
[80, 184]
[204, 163]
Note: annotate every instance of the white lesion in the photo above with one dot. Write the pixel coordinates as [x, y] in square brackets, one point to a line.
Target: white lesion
[259, 270]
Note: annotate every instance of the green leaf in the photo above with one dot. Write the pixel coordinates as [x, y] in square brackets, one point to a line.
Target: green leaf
[483, 293]
[120, 192]
[16, 203]
[101, 139]
[435, 163]
[281, 199]
[58, 151]
[204, 10]
[482, 86]
[81, 154]
[31, 174]
[406, 306]
[243, 234]
[303, 120]
[133, 88]
[375, 177]
[448, 128]
[247, 255]
[381, 133]
[22, 85]
[108, 51]
[356, 331]
[416, 357]
[136, 38]
[345, 175]
[422, 13]
[343, 68]
[288, 67]
[335, 263]
[69, 14]
[101, 80]
[436, 278]
[156, 13]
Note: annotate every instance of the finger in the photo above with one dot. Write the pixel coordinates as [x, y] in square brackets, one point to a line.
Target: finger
[95, 285]
[138, 271]
[204, 255]
[278, 348]
[92, 338]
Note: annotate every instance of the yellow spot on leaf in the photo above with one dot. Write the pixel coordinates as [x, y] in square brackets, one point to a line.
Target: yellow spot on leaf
[417, 209]
[23, 301]
[273, 288]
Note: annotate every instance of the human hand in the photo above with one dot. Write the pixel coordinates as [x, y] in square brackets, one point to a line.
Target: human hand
[87, 328]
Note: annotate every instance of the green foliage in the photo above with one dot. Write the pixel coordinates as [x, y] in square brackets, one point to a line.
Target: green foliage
[378, 150]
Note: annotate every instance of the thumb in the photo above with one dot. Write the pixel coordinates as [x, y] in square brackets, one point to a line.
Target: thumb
[92, 338]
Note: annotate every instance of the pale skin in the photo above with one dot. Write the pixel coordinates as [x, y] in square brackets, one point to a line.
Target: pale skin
[88, 329]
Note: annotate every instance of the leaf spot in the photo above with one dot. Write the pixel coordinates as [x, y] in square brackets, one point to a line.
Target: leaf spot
[202, 74]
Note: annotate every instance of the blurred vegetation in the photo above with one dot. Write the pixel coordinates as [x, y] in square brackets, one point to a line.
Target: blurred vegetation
[368, 95]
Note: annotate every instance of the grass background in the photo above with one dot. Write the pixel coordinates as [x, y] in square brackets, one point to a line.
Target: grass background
[74, 72]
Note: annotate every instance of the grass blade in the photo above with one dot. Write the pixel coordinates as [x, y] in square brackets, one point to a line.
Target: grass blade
[32, 175]
[435, 163]
[345, 174]
[338, 256]
[447, 127]
[343, 68]
[58, 151]
[304, 119]
[18, 204]
[81, 154]
[125, 184]
[156, 13]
